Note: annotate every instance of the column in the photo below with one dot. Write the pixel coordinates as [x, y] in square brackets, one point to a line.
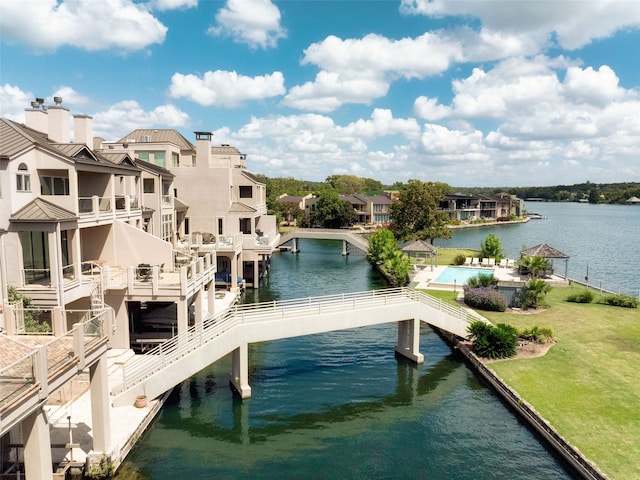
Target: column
[294, 246]
[234, 273]
[345, 248]
[211, 298]
[409, 340]
[100, 412]
[182, 315]
[240, 370]
[37, 446]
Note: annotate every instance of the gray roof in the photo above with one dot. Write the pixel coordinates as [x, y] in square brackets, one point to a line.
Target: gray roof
[157, 135]
[419, 246]
[40, 210]
[543, 250]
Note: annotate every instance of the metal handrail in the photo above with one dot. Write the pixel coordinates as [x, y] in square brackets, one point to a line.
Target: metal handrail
[163, 355]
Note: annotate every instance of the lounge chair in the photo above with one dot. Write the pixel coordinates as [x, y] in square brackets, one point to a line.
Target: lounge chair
[475, 261]
[492, 262]
[503, 263]
[467, 261]
[485, 262]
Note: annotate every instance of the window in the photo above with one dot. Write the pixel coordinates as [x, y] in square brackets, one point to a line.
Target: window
[35, 255]
[175, 160]
[246, 191]
[148, 185]
[143, 156]
[167, 227]
[245, 225]
[220, 226]
[158, 158]
[23, 179]
[54, 185]
[193, 160]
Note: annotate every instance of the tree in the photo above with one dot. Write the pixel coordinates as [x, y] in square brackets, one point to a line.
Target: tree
[383, 252]
[380, 244]
[491, 247]
[535, 265]
[415, 214]
[347, 184]
[533, 292]
[372, 187]
[332, 212]
[31, 314]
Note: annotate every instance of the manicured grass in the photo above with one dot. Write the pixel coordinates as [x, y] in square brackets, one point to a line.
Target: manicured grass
[588, 385]
[446, 255]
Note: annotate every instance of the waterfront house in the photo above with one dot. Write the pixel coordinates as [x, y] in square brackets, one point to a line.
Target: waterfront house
[86, 234]
[227, 210]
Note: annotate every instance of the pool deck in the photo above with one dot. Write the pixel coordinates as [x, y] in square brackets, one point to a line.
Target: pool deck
[424, 276]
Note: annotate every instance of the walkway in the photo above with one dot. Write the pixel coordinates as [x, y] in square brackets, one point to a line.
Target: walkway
[326, 234]
[184, 355]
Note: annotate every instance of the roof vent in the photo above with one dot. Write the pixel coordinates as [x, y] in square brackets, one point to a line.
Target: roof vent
[57, 100]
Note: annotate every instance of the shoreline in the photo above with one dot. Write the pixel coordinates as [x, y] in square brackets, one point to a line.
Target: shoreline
[488, 224]
[580, 464]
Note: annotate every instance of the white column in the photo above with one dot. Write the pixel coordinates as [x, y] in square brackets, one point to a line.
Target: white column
[37, 446]
[183, 316]
[100, 412]
[409, 340]
[240, 371]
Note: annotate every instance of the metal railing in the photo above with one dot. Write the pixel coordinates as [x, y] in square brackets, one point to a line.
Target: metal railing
[144, 366]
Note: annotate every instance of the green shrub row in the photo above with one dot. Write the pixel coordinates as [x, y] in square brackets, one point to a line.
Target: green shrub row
[485, 298]
[613, 299]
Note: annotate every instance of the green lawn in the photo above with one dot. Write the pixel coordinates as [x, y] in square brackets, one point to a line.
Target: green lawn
[588, 385]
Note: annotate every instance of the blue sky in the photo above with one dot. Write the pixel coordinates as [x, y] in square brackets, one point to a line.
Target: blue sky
[471, 93]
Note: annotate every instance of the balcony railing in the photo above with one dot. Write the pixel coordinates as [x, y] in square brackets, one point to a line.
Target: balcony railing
[105, 207]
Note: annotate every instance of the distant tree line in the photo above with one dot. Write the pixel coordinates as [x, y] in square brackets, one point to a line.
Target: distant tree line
[612, 193]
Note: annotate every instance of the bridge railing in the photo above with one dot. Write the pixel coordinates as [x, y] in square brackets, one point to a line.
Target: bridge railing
[194, 337]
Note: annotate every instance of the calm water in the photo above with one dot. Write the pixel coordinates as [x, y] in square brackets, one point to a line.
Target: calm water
[339, 405]
[604, 238]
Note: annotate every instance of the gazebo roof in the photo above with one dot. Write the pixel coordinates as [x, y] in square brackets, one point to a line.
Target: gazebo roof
[545, 251]
[419, 246]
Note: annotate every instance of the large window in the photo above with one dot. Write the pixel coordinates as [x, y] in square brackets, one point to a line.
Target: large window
[167, 227]
[148, 185]
[245, 225]
[159, 158]
[246, 191]
[23, 179]
[35, 256]
[54, 185]
[143, 156]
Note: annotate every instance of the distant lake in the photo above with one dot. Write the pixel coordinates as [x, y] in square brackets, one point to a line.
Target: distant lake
[604, 238]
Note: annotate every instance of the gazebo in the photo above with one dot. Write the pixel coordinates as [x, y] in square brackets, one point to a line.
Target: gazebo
[419, 249]
[545, 251]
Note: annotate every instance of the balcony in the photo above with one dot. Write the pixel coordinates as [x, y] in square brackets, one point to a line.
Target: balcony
[104, 209]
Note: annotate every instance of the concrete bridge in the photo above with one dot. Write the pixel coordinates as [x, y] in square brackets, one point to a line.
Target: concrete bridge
[231, 332]
[347, 237]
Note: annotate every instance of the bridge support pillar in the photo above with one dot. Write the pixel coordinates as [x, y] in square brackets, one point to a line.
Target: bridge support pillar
[294, 246]
[409, 340]
[240, 371]
[345, 248]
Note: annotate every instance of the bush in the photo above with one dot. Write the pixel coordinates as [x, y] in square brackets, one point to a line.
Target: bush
[459, 259]
[532, 293]
[478, 329]
[482, 280]
[537, 335]
[583, 296]
[485, 298]
[496, 342]
[620, 300]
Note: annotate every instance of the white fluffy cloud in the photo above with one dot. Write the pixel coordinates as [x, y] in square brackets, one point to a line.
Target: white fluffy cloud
[48, 25]
[225, 89]
[128, 115]
[575, 23]
[163, 5]
[254, 22]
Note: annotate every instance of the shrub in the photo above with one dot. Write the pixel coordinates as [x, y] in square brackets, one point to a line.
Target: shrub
[536, 334]
[583, 296]
[482, 280]
[496, 342]
[478, 329]
[532, 293]
[459, 259]
[32, 323]
[485, 298]
[620, 300]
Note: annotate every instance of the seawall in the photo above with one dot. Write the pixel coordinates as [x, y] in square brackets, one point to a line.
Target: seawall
[580, 464]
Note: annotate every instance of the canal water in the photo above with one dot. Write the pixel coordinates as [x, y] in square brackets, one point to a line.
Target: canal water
[338, 405]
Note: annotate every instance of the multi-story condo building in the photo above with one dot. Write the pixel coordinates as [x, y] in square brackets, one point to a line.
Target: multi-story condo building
[87, 234]
[466, 208]
[227, 209]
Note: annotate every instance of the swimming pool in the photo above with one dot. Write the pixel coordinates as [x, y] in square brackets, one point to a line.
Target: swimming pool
[460, 275]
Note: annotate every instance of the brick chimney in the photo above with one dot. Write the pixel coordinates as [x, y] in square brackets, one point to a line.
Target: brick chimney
[83, 129]
[203, 148]
[59, 118]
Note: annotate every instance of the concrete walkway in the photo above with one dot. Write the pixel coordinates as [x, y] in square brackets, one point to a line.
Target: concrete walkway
[69, 410]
